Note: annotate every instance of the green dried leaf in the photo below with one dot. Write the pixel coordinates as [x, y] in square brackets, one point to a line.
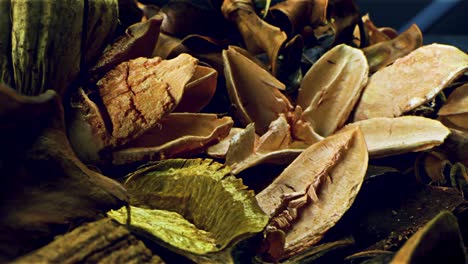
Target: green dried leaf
[210, 210]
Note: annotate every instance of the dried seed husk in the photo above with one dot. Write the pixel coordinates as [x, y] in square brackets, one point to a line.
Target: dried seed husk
[331, 88]
[45, 44]
[199, 90]
[435, 163]
[390, 136]
[254, 91]
[258, 35]
[439, 241]
[247, 150]
[6, 67]
[323, 181]
[385, 53]
[411, 81]
[456, 145]
[454, 113]
[208, 199]
[175, 135]
[139, 40]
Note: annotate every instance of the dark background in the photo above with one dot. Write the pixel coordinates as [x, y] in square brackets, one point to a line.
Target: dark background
[450, 28]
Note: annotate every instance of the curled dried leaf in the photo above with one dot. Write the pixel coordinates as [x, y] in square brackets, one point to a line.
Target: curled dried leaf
[411, 81]
[253, 90]
[390, 136]
[258, 35]
[385, 53]
[454, 113]
[331, 88]
[374, 34]
[316, 189]
[438, 241]
[175, 135]
[210, 209]
[293, 16]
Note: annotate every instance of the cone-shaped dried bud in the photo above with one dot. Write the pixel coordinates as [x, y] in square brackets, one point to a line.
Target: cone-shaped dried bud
[253, 91]
[199, 90]
[439, 241]
[258, 35]
[316, 189]
[411, 81]
[390, 136]
[211, 210]
[385, 53]
[331, 88]
[139, 40]
[176, 134]
[454, 113]
[293, 16]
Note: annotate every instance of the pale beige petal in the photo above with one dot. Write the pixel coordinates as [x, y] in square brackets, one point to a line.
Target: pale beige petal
[331, 88]
[411, 81]
[390, 136]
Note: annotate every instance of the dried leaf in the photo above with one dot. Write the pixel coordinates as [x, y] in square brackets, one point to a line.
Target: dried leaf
[439, 241]
[454, 113]
[391, 136]
[199, 90]
[374, 35]
[45, 187]
[293, 16]
[258, 35]
[411, 81]
[316, 189]
[177, 134]
[331, 88]
[253, 91]
[205, 200]
[385, 53]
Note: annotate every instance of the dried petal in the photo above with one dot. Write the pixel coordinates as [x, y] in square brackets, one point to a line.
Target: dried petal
[391, 136]
[326, 178]
[177, 134]
[253, 91]
[386, 52]
[331, 88]
[454, 113]
[411, 81]
[199, 90]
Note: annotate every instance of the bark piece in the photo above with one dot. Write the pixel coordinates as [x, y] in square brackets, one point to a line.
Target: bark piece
[411, 81]
[391, 136]
[103, 241]
[316, 189]
[331, 88]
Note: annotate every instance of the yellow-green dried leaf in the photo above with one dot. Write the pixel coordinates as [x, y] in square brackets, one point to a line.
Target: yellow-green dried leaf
[204, 193]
